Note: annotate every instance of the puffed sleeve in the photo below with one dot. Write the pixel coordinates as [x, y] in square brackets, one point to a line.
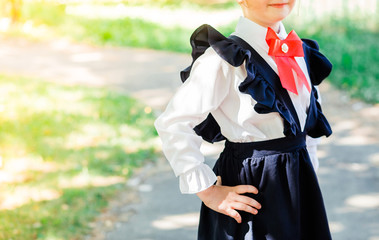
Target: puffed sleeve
[202, 93]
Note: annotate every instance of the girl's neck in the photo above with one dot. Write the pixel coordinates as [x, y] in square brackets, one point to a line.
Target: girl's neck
[274, 26]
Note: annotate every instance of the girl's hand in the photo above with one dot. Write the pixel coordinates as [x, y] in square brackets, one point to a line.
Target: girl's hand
[227, 200]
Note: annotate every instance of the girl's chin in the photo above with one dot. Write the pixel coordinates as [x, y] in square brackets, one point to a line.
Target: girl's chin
[278, 14]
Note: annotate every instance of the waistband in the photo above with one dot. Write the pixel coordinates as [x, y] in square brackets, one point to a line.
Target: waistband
[269, 147]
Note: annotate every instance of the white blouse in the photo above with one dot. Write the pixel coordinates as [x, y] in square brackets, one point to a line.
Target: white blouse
[212, 87]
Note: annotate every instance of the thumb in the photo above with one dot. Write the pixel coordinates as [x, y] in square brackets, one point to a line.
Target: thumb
[219, 182]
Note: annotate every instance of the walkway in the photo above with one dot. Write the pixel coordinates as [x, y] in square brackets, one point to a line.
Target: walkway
[349, 172]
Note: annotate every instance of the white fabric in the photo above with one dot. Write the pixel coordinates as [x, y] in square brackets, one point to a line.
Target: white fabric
[197, 179]
[213, 88]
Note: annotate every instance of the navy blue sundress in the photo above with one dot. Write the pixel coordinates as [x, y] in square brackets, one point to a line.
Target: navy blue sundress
[281, 169]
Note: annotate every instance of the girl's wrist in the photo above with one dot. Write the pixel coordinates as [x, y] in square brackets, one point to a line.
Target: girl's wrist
[205, 193]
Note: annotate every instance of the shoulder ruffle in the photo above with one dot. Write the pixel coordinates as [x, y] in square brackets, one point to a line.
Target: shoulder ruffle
[258, 85]
[254, 84]
[320, 67]
[236, 52]
[264, 93]
[206, 36]
[319, 126]
[203, 38]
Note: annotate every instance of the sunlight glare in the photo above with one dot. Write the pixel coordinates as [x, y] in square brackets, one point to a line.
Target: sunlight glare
[354, 167]
[29, 163]
[5, 23]
[86, 180]
[177, 221]
[24, 195]
[90, 135]
[163, 16]
[336, 227]
[370, 200]
[374, 159]
[28, 26]
[148, 110]
[14, 169]
[87, 57]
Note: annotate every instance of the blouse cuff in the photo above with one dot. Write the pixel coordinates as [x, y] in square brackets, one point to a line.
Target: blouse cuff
[197, 179]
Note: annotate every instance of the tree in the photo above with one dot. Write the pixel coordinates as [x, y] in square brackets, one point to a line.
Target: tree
[12, 9]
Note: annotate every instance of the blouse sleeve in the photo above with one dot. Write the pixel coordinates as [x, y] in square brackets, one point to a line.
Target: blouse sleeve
[312, 151]
[201, 94]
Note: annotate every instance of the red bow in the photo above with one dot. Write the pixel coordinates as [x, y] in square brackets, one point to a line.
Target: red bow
[285, 52]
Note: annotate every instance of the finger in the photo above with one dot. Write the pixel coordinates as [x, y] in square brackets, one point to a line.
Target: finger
[243, 207]
[234, 214]
[249, 201]
[219, 182]
[246, 189]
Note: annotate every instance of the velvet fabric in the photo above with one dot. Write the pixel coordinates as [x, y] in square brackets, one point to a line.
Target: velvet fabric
[292, 204]
[281, 169]
[262, 83]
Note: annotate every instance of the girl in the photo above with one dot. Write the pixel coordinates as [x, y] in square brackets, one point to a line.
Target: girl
[255, 90]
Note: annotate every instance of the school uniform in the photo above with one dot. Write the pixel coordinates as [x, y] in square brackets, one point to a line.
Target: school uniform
[232, 92]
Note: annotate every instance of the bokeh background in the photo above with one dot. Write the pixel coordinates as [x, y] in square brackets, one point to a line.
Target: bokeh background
[67, 149]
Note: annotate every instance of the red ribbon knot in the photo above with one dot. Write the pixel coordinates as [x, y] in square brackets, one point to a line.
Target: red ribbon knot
[284, 53]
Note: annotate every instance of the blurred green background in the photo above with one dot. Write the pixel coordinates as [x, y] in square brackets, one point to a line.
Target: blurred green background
[56, 179]
[346, 30]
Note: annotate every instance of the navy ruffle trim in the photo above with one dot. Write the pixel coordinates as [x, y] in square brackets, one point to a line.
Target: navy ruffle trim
[255, 84]
[319, 65]
[319, 126]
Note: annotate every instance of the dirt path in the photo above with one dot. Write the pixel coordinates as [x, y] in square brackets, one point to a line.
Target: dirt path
[148, 208]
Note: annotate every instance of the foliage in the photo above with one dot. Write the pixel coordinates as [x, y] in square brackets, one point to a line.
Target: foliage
[352, 48]
[11, 9]
[65, 151]
[350, 43]
[129, 32]
[52, 14]
[209, 4]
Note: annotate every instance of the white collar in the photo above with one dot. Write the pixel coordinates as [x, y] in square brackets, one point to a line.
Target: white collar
[255, 34]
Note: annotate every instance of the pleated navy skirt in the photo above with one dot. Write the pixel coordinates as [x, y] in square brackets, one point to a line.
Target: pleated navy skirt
[292, 204]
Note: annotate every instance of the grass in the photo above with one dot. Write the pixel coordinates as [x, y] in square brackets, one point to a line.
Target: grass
[349, 43]
[210, 4]
[351, 47]
[66, 150]
[130, 32]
